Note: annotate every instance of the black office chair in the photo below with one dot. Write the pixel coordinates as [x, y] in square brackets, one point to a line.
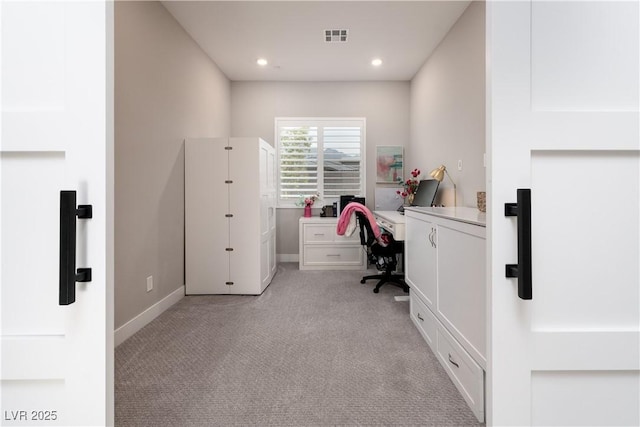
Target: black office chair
[385, 258]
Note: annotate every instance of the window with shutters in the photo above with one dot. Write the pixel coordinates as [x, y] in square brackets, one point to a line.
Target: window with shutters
[324, 156]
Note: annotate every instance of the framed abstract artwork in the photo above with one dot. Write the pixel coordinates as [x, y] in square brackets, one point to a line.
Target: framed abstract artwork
[389, 164]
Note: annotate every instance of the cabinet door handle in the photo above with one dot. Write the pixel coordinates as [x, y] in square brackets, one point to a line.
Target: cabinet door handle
[420, 317]
[433, 238]
[522, 270]
[68, 273]
[333, 254]
[430, 237]
[452, 362]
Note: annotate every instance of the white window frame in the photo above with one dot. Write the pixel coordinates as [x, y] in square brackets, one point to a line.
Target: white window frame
[321, 122]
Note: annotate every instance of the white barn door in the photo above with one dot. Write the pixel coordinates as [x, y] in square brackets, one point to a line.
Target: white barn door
[563, 90]
[56, 135]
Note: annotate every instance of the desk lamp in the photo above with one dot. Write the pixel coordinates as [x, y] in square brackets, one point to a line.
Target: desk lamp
[438, 175]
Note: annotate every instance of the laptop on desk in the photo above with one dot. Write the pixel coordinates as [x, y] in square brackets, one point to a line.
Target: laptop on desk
[426, 193]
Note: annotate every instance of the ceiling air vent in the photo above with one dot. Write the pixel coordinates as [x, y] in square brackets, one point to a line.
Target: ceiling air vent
[336, 36]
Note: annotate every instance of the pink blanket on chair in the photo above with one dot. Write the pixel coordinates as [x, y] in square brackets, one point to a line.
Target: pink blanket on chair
[349, 211]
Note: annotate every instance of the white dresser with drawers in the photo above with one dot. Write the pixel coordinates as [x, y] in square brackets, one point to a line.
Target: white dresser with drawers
[321, 248]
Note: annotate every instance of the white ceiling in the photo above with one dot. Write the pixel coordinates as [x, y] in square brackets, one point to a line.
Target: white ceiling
[290, 35]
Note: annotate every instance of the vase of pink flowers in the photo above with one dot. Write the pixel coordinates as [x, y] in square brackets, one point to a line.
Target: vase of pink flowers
[410, 186]
[307, 202]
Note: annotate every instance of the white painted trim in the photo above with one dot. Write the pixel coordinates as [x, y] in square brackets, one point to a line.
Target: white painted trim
[288, 258]
[141, 320]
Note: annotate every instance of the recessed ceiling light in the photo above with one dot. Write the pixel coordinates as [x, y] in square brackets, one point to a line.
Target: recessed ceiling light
[262, 62]
[376, 62]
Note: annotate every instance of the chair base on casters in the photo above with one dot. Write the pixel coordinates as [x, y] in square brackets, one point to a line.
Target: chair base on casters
[392, 279]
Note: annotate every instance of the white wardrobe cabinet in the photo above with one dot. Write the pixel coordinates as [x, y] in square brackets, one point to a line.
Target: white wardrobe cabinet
[445, 268]
[230, 215]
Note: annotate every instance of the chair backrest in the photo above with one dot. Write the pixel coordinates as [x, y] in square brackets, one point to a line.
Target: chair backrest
[383, 257]
[367, 238]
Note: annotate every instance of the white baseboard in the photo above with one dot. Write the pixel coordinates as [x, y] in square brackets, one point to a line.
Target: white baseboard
[144, 318]
[288, 258]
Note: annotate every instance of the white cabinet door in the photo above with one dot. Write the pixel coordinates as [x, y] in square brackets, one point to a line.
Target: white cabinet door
[57, 134]
[272, 250]
[244, 204]
[265, 229]
[564, 121]
[462, 289]
[271, 189]
[420, 258]
[206, 207]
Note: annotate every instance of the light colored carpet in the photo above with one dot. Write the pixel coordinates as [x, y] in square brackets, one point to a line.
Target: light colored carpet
[316, 349]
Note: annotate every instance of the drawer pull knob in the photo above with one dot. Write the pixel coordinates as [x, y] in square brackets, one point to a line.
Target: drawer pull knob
[420, 317]
[452, 362]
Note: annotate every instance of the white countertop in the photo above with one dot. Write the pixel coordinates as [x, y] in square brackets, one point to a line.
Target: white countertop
[458, 213]
[317, 218]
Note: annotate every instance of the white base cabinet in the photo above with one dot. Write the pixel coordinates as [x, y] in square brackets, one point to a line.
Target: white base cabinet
[321, 248]
[230, 215]
[445, 268]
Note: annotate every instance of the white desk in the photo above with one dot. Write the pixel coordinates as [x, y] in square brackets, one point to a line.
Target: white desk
[392, 221]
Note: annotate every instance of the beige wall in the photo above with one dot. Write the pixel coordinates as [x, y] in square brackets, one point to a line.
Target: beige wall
[166, 89]
[448, 109]
[385, 105]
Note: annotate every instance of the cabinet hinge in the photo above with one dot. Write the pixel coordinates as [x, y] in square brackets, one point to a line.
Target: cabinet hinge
[228, 147]
[229, 249]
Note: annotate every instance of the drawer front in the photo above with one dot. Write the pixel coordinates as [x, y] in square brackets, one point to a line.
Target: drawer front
[389, 226]
[425, 321]
[319, 233]
[353, 239]
[333, 255]
[465, 373]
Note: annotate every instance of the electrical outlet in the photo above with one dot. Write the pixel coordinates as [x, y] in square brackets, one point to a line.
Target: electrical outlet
[459, 165]
[149, 283]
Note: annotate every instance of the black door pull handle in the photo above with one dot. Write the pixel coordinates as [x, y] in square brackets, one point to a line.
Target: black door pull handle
[68, 273]
[522, 270]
